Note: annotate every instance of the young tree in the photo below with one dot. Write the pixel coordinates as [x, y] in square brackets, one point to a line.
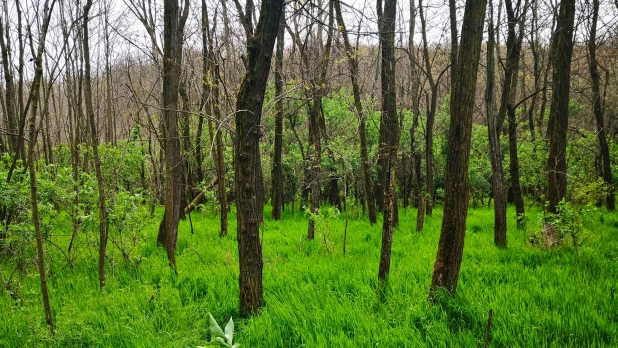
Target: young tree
[33, 104]
[277, 180]
[94, 139]
[362, 124]
[559, 110]
[497, 178]
[457, 182]
[247, 164]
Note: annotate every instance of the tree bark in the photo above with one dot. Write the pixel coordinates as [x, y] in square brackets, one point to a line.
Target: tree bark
[247, 164]
[277, 180]
[36, 84]
[94, 139]
[497, 178]
[457, 181]
[610, 199]
[172, 57]
[389, 130]
[559, 110]
[431, 115]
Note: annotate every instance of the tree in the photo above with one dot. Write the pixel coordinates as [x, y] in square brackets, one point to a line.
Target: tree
[33, 103]
[94, 139]
[389, 130]
[362, 124]
[431, 111]
[173, 30]
[559, 109]
[610, 199]
[277, 181]
[457, 182]
[247, 164]
[497, 178]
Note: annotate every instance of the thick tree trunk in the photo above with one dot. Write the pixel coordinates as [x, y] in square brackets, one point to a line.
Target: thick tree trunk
[389, 130]
[457, 182]
[94, 139]
[610, 199]
[353, 66]
[172, 58]
[559, 110]
[247, 164]
[277, 181]
[497, 178]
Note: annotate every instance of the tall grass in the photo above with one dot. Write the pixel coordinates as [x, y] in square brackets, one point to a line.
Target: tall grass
[315, 296]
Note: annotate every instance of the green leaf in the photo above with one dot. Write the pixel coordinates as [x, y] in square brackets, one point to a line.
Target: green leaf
[229, 331]
[215, 328]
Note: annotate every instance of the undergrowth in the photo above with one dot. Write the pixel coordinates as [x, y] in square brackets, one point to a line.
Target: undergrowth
[316, 296]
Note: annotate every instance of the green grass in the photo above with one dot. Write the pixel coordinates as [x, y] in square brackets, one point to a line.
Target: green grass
[315, 296]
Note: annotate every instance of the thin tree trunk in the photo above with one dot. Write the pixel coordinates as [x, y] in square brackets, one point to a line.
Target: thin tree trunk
[277, 181]
[94, 138]
[36, 84]
[497, 178]
[353, 66]
[610, 199]
[457, 181]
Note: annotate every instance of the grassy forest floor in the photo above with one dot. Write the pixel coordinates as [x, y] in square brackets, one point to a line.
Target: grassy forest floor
[316, 296]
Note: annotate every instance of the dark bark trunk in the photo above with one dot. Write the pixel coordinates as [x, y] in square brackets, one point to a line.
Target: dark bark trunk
[497, 178]
[247, 164]
[457, 181]
[559, 110]
[277, 181]
[172, 58]
[610, 199]
[518, 197]
[389, 130]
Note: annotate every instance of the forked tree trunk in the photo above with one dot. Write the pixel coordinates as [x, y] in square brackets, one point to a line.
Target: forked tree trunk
[457, 181]
[94, 139]
[559, 110]
[247, 164]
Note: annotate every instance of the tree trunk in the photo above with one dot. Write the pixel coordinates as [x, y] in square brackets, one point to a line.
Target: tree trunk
[277, 181]
[610, 199]
[94, 138]
[389, 130]
[457, 181]
[247, 164]
[559, 110]
[353, 66]
[36, 84]
[172, 58]
[431, 114]
[497, 178]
